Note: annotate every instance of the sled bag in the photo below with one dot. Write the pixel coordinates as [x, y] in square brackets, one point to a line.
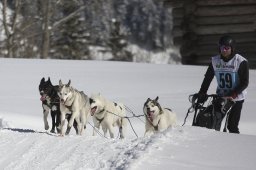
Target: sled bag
[209, 118]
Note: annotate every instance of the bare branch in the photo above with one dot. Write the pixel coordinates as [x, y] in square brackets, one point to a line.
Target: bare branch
[7, 31]
[15, 15]
[70, 16]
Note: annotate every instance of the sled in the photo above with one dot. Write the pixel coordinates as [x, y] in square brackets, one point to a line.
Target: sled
[211, 112]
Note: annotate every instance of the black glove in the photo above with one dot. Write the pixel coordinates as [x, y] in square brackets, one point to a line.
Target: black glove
[201, 98]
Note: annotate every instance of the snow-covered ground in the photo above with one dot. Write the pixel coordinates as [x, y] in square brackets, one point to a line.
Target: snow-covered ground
[25, 145]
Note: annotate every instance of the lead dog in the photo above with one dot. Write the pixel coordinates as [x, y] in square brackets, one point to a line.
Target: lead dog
[157, 118]
[50, 103]
[107, 114]
[74, 102]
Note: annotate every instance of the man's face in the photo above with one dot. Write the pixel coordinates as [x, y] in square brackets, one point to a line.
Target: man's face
[225, 51]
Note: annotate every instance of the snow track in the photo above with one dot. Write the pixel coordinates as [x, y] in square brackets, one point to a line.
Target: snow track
[38, 150]
[183, 147]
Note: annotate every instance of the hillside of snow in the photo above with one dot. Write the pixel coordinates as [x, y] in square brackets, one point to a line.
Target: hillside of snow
[25, 145]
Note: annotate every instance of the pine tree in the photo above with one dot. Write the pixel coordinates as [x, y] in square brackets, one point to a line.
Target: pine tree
[118, 42]
[72, 39]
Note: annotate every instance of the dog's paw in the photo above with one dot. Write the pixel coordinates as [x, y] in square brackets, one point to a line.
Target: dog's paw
[46, 127]
[52, 131]
[58, 130]
[68, 130]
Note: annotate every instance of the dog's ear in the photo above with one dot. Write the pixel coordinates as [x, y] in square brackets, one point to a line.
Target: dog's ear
[91, 100]
[147, 101]
[60, 83]
[69, 82]
[158, 105]
[42, 80]
[49, 81]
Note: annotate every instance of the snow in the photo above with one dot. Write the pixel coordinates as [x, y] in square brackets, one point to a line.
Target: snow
[167, 56]
[25, 145]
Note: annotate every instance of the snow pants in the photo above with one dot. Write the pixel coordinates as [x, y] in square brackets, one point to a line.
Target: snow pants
[234, 117]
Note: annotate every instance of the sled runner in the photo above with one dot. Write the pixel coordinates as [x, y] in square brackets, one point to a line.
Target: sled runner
[211, 112]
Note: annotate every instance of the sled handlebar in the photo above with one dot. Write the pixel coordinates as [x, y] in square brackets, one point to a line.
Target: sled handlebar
[193, 97]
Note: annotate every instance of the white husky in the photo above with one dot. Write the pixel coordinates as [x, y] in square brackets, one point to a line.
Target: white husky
[107, 114]
[157, 118]
[74, 102]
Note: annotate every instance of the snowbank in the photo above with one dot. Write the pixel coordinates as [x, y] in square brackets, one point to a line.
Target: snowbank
[3, 124]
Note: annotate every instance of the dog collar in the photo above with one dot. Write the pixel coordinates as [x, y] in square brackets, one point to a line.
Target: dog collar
[100, 120]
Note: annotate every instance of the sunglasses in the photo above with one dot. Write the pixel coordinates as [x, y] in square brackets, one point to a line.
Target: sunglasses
[225, 48]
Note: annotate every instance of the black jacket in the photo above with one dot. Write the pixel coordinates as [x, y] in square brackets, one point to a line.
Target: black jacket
[243, 73]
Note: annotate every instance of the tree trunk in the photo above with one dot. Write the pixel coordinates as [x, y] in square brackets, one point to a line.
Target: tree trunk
[10, 28]
[46, 31]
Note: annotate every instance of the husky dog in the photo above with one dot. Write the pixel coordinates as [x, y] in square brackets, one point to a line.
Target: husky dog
[107, 114]
[74, 102]
[50, 102]
[157, 118]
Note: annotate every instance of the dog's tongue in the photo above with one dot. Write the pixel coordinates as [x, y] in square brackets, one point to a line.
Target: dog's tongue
[42, 98]
[93, 111]
[150, 115]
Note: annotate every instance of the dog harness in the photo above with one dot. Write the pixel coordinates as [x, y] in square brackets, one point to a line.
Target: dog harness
[155, 127]
[100, 120]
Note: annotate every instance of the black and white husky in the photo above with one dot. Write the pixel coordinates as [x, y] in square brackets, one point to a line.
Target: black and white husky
[157, 118]
[50, 103]
[76, 103]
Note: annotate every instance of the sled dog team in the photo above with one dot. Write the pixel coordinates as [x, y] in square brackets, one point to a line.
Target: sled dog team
[66, 103]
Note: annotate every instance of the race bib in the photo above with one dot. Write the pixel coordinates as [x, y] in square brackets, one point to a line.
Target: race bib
[227, 81]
